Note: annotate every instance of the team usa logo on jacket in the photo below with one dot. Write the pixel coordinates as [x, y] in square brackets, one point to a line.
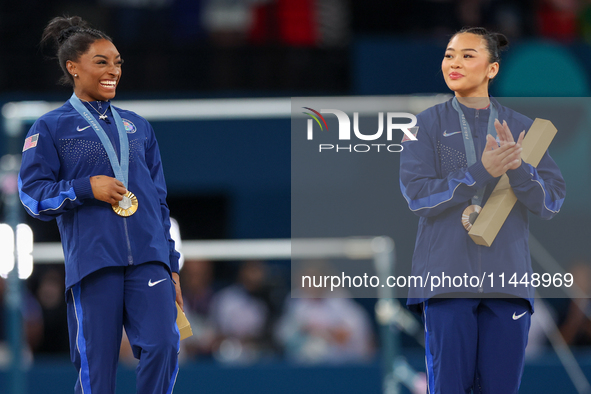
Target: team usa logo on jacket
[129, 126]
[344, 131]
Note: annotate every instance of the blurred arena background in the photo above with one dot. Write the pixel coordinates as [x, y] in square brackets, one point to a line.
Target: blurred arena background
[229, 177]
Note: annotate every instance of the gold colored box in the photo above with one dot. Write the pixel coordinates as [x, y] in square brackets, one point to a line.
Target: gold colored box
[501, 201]
[183, 323]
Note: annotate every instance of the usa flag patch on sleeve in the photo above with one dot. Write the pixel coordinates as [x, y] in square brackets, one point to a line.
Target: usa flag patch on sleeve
[414, 131]
[31, 142]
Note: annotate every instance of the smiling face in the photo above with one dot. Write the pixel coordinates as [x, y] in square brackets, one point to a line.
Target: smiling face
[99, 71]
[466, 66]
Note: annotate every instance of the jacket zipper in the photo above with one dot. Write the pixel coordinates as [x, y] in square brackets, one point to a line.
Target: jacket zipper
[129, 255]
[479, 247]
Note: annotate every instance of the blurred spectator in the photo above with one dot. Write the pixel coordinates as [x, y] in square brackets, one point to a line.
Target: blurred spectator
[242, 314]
[286, 33]
[32, 326]
[50, 294]
[197, 282]
[334, 22]
[308, 23]
[510, 17]
[470, 12]
[513, 18]
[227, 23]
[585, 21]
[557, 19]
[324, 330]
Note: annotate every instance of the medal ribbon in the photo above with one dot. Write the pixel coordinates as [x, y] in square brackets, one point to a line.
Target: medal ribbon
[469, 142]
[120, 168]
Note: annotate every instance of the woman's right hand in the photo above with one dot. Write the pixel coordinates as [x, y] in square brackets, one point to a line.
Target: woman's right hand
[107, 189]
[498, 159]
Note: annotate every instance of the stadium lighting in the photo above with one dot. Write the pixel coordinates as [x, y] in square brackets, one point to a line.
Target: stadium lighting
[24, 247]
[6, 250]
[24, 250]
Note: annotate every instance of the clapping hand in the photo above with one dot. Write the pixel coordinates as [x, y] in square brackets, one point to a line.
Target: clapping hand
[498, 159]
[505, 136]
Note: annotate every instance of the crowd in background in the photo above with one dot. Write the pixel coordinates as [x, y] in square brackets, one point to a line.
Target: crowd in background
[262, 45]
[249, 319]
[252, 318]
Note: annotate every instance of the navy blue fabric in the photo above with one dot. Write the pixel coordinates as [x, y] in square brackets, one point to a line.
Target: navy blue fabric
[54, 183]
[475, 345]
[438, 185]
[115, 297]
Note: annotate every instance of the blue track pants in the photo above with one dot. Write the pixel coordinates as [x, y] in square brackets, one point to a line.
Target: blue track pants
[475, 345]
[139, 298]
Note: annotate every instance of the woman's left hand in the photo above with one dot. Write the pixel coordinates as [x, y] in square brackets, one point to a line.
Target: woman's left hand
[505, 136]
[177, 286]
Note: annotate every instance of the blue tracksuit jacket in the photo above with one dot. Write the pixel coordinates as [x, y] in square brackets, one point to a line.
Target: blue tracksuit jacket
[54, 182]
[438, 185]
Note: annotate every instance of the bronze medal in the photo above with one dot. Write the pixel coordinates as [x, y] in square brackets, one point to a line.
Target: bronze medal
[127, 206]
[469, 216]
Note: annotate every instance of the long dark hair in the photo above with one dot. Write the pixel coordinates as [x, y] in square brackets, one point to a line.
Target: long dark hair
[72, 36]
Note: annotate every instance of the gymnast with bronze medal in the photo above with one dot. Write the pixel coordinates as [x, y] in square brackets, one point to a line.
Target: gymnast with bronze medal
[475, 337]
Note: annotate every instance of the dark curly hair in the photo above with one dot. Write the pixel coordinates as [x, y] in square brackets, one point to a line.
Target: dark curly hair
[72, 37]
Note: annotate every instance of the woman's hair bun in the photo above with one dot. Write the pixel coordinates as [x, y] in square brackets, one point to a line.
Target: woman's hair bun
[495, 42]
[501, 40]
[72, 37]
[59, 29]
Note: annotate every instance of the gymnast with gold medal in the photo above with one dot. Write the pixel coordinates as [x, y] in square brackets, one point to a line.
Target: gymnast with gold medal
[96, 169]
[127, 204]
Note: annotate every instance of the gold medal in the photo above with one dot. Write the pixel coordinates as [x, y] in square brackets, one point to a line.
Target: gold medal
[127, 206]
[469, 216]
